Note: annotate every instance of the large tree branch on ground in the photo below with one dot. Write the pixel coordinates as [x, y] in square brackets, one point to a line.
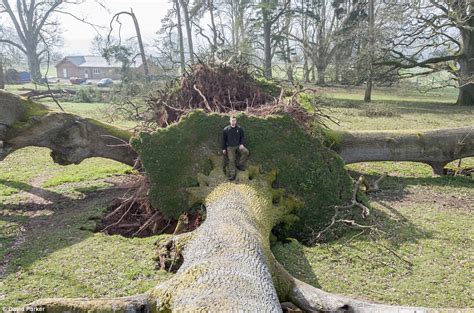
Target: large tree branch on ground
[228, 264]
[433, 147]
[70, 137]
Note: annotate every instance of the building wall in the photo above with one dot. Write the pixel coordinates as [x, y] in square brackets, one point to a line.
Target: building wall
[71, 70]
[99, 73]
[91, 73]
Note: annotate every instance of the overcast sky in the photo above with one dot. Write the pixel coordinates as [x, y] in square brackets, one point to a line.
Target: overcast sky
[78, 36]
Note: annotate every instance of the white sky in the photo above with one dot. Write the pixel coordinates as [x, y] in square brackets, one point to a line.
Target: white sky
[78, 36]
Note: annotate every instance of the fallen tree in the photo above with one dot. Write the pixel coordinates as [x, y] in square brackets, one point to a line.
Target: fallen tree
[433, 147]
[71, 138]
[228, 264]
[227, 260]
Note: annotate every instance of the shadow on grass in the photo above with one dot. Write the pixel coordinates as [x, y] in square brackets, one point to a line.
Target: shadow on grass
[399, 229]
[395, 185]
[403, 106]
[68, 221]
[291, 255]
[48, 195]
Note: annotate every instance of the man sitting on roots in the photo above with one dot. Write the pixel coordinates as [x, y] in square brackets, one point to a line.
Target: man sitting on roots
[233, 141]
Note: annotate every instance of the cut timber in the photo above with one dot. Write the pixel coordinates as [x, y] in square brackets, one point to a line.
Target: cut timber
[434, 147]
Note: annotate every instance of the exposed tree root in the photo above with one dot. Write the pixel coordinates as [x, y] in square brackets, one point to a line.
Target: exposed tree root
[312, 299]
[224, 89]
[214, 89]
[132, 215]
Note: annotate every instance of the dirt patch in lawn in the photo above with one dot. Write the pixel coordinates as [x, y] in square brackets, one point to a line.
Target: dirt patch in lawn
[442, 200]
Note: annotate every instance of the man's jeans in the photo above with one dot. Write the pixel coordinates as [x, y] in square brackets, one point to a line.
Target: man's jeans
[232, 155]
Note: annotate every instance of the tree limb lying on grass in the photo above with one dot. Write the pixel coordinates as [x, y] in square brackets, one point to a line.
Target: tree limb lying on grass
[70, 137]
[433, 147]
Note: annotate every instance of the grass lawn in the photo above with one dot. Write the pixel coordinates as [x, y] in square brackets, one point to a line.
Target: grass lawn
[422, 254]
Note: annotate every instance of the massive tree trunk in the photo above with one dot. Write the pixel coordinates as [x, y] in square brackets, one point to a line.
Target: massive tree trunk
[435, 147]
[321, 68]
[70, 137]
[34, 64]
[466, 64]
[228, 264]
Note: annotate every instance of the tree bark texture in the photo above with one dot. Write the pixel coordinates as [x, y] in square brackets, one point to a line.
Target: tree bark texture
[267, 38]
[182, 60]
[368, 89]
[2, 75]
[70, 137]
[466, 63]
[140, 44]
[434, 147]
[189, 34]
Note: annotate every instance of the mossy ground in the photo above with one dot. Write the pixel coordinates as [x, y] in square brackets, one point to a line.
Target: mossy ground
[305, 167]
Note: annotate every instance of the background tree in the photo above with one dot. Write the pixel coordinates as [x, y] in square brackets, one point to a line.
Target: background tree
[371, 31]
[36, 28]
[434, 36]
[184, 5]
[141, 47]
[2, 73]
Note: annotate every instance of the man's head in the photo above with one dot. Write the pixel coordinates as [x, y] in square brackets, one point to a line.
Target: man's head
[233, 120]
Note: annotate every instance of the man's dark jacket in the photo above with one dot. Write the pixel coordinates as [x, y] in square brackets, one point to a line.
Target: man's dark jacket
[232, 136]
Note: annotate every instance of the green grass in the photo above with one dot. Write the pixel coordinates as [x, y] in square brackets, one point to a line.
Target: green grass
[18, 169]
[427, 220]
[391, 115]
[61, 257]
[424, 258]
[94, 110]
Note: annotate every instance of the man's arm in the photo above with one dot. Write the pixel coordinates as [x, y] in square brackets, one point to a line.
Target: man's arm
[242, 137]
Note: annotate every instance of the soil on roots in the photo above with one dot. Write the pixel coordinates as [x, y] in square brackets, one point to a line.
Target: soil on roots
[213, 89]
[133, 216]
